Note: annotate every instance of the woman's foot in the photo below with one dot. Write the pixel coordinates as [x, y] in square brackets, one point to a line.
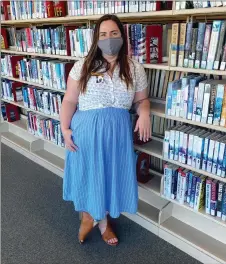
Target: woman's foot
[87, 224]
[107, 233]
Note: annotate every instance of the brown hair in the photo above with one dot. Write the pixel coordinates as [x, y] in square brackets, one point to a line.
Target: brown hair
[95, 61]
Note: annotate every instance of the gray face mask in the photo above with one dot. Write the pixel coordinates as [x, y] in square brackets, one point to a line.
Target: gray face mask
[110, 46]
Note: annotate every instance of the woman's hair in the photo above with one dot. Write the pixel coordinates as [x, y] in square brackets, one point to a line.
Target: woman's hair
[95, 61]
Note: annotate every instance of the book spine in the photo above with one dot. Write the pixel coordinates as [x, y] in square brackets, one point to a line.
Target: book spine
[223, 113]
[220, 159]
[176, 148]
[197, 193]
[174, 44]
[211, 106]
[191, 60]
[220, 46]
[172, 144]
[206, 100]
[219, 198]
[213, 44]
[174, 184]
[215, 157]
[193, 188]
[166, 145]
[199, 153]
[199, 104]
[208, 195]
[218, 104]
[224, 205]
[190, 179]
[206, 46]
[195, 103]
[210, 155]
[199, 44]
[181, 146]
[182, 189]
[213, 202]
[188, 43]
[182, 44]
[223, 59]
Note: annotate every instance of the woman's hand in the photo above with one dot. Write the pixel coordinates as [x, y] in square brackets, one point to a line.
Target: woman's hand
[143, 126]
[67, 133]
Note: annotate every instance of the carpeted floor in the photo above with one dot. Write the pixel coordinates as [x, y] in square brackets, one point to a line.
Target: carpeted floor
[38, 227]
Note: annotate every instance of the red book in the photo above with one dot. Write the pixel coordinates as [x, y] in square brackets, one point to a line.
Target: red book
[12, 112]
[4, 39]
[14, 60]
[142, 167]
[49, 6]
[158, 5]
[154, 43]
[5, 10]
[59, 8]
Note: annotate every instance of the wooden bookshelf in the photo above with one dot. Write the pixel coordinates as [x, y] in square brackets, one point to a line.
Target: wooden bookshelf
[163, 15]
[178, 224]
[162, 66]
[32, 83]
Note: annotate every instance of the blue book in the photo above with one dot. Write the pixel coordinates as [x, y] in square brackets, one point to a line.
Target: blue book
[223, 172]
[193, 188]
[218, 104]
[190, 180]
[174, 183]
[169, 99]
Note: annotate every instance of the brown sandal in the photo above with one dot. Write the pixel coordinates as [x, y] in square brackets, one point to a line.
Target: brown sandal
[85, 228]
[109, 235]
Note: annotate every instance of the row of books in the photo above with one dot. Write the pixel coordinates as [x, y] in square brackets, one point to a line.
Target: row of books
[158, 81]
[9, 112]
[198, 4]
[199, 45]
[144, 42]
[45, 128]
[51, 73]
[196, 147]
[194, 190]
[27, 9]
[199, 100]
[43, 101]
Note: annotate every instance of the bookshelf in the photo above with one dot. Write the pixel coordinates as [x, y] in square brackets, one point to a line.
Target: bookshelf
[162, 66]
[198, 234]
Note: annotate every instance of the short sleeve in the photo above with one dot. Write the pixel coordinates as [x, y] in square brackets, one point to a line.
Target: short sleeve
[141, 78]
[75, 72]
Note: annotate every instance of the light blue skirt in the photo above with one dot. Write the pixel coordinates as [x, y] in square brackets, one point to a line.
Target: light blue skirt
[101, 176]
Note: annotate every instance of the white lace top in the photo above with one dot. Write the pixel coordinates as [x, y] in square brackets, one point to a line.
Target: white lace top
[106, 92]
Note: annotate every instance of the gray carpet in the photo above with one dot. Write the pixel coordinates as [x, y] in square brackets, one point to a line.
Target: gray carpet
[38, 227]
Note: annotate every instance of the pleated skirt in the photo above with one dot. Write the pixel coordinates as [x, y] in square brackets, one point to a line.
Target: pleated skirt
[100, 177]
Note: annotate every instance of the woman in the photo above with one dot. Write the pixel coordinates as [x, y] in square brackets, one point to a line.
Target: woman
[100, 173]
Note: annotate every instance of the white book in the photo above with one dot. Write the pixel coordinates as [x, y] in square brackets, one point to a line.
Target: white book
[213, 44]
[195, 103]
[212, 143]
[199, 105]
[206, 101]
[166, 145]
[215, 157]
[179, 182]
[182, 189]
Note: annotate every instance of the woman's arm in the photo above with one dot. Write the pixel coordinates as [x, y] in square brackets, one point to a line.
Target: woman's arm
[68, 108]
[143, 124]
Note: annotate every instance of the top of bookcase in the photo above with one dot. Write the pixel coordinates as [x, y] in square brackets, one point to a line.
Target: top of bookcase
[163, 15]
